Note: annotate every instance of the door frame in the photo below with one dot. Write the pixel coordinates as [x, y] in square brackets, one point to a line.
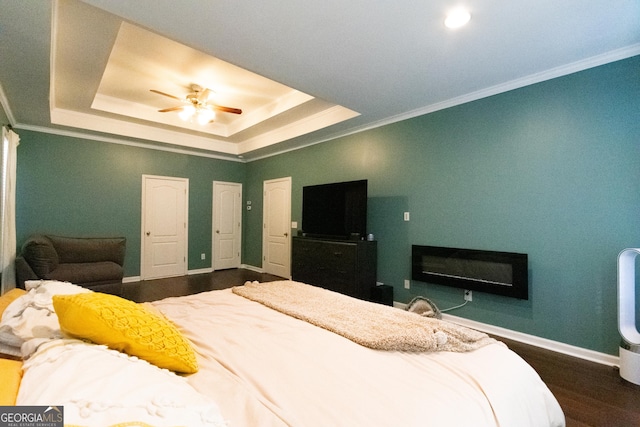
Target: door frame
[213, 218]
[143, 273]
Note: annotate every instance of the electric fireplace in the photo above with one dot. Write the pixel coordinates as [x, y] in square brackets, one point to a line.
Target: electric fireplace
[501, 273]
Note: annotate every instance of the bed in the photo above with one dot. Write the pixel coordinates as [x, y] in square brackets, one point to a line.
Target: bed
[262, 354]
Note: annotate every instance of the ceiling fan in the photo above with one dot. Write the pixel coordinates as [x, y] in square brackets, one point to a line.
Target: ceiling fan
[197, 105]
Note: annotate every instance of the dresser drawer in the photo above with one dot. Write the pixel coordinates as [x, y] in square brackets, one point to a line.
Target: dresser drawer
[337, 256]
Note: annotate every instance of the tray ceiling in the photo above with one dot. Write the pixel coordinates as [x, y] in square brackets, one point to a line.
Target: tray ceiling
[302, 72]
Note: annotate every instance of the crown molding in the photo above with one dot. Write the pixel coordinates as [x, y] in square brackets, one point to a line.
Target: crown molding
[111, 140]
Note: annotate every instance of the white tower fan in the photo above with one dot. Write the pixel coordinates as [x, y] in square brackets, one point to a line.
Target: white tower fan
[630, 345]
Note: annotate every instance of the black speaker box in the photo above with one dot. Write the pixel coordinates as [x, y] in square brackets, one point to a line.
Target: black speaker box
[382, 294]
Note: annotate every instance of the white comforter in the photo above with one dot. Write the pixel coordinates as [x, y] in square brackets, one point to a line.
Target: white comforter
[259, 367]
[264, 368]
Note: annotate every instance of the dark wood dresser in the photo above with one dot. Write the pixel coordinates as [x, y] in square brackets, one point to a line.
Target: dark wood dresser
[345, 266]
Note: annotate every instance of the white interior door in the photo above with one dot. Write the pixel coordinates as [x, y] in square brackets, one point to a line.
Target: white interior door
[276, 231]
[227, 224]
[164, 227]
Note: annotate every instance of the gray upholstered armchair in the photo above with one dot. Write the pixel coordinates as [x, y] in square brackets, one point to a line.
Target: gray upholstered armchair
[94, 262]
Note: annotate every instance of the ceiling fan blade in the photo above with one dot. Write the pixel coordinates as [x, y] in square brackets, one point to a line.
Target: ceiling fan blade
[166, 110]
[204, 95]
[165, 94]
[227, 109]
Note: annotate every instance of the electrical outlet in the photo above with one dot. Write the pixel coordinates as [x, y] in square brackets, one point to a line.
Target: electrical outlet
[203, 256]
[407, 283]
[468, 295]
[407, 216]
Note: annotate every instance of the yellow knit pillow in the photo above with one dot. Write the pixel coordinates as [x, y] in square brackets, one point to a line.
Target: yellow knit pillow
[125, 326]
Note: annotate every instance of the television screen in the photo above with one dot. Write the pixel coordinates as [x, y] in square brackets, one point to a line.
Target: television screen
[337, 210]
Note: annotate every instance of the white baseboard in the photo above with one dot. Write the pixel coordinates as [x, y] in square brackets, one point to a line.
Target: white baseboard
[209, 269]
[558, 347]
[131, 279]
[252, 268]
[199, 271]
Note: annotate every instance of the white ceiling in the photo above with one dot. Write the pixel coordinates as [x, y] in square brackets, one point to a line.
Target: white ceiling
[331, 68]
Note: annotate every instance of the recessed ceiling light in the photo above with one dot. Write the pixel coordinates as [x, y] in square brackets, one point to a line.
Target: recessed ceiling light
[457, 18]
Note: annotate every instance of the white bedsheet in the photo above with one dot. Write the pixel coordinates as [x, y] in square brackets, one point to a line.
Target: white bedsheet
[264, 368]
[99, 387]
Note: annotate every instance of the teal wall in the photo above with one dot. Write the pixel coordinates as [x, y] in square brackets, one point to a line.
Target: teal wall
[551, 170]
[78, 187]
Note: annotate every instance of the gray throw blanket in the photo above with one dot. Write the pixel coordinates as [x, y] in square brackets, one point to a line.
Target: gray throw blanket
[372, 325]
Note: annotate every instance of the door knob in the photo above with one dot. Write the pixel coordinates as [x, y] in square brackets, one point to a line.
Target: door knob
[286, 234]
[218, 231]
[148, 233]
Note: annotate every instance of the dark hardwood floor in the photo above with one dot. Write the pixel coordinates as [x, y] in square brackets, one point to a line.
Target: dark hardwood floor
[590, 394]
[152, 290]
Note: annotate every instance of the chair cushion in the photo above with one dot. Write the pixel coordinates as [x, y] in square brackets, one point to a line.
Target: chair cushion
[87, 272]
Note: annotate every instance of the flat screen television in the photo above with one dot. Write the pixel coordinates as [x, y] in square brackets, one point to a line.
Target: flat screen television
[337, 210]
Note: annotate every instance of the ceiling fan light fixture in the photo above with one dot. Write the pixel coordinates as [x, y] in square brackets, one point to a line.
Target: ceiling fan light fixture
[197, 108]
[187, 112]
[457, 18]
[204, 116]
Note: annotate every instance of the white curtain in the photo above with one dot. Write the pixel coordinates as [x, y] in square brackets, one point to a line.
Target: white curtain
[10, 141]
